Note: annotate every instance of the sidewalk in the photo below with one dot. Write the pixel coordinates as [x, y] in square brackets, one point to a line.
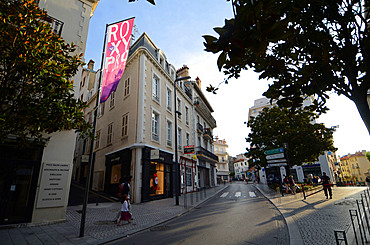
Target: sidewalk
[99, 227]
[314, 219]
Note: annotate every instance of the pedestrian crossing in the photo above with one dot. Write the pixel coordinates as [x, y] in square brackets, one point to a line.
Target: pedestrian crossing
[238, 194]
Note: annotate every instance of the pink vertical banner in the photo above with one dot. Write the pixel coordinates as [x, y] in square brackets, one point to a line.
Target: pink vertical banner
[116, 53]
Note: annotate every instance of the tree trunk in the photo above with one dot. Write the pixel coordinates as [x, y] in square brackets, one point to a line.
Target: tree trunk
[363, 108]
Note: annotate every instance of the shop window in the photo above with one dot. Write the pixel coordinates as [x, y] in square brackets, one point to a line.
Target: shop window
[157, 179]
[116, 174]
[189, 176]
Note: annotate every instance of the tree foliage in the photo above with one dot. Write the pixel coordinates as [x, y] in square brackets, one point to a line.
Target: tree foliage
[305, 47]
[36, 67]
[275, 126]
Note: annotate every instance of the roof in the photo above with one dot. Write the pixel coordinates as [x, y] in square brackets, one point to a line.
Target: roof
[357, 154]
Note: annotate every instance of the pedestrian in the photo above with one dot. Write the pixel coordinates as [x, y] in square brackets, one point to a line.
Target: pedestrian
[291, 184]
[124, 189]
[368, 180]
[125, 212]
[286, 183]
[326, 182]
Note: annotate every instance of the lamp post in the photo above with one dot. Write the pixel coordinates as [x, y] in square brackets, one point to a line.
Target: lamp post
[177, 168]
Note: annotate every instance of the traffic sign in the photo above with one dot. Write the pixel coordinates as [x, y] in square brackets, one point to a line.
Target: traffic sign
[276, 160]
[274, 151]
[275, 156]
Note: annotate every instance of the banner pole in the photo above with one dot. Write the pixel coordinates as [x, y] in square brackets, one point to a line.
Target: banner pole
[89, 170]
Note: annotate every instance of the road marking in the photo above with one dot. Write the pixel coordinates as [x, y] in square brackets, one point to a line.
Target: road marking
[224, 194]
[238, 194]
[252, 194]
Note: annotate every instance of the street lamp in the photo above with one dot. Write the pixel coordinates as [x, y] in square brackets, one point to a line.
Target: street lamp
[177, 170]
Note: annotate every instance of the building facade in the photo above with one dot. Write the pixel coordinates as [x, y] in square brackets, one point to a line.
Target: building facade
[241, 167]
[135, 132]
[222, 165]
[38, 180]
[354, 167]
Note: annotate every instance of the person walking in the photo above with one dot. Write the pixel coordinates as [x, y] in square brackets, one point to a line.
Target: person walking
[125, 212]
[326, 182]
[291, 184]
[124, 190]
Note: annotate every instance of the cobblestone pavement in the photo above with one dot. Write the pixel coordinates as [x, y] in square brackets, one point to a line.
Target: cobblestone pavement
[314, 219]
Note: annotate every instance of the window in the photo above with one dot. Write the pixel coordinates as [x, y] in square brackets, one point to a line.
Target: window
[187, 139]
[169, 99]
[125, 125]
[101, 109]
[155, 88]
[111, 104]
[179, 137]
[179, 108]
[110, 134]
[126, 90]
[97, 140]
[169, 133]
[186, 115]
[155, 126]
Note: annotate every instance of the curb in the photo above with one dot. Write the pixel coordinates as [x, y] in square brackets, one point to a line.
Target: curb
[295, 237]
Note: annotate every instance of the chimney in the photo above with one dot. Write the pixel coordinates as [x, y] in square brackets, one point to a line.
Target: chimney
[199, 82]
[90, 65]
[183, 71]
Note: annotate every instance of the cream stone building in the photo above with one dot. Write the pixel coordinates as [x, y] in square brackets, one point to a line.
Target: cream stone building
[220, 147]
[135, 129]
[353, 168]
[38, 180]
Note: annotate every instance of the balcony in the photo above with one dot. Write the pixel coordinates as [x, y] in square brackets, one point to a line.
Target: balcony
[207, 134]
[204, 154]
[56, 25]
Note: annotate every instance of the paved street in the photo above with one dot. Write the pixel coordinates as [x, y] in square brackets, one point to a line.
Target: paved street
[310, 221]
[237, 215]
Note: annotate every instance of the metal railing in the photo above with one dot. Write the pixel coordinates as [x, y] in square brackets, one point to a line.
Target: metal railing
[359, 222]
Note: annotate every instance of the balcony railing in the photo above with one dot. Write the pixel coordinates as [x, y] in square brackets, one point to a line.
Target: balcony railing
[208, 134]
[56, 25]
[204, 154]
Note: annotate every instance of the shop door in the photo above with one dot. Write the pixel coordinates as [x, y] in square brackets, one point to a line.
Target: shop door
[18, 181]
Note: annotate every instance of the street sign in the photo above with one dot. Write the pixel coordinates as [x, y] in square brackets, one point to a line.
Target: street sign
[274, 151]
[275, 156]
[276, 160]
[277, 164]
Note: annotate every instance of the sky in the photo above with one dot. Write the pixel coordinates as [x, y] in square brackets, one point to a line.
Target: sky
[176, 27]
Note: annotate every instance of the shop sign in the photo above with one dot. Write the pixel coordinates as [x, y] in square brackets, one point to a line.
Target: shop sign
[53, 185]
[85, 158]
[154, 154]
[189, 149]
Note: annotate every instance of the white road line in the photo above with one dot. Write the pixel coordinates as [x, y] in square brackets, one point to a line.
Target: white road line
[252, 194]
[238, 194]
[224, 194]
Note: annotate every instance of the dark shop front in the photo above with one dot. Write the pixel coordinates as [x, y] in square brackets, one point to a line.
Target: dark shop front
[118, 167]
[157, 174]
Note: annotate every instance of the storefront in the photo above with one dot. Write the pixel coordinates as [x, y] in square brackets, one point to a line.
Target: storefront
[158, 172]
[118, 167]
[188, 175]
[19, 173]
